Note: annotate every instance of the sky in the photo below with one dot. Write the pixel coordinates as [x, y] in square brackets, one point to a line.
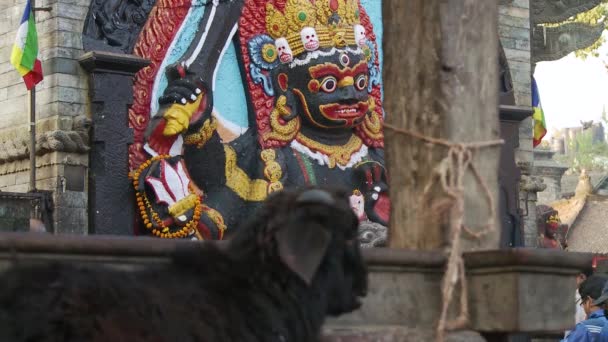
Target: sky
[572, 90]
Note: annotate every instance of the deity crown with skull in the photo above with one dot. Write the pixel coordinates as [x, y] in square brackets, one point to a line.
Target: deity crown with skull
[307, 27]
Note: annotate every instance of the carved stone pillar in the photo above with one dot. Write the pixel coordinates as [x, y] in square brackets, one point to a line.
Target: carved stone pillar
[551, 172]
[529, 188]
[111, 94]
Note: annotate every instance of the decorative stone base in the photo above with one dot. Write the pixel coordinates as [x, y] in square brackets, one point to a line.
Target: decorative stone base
[393, 334]
[506, 287]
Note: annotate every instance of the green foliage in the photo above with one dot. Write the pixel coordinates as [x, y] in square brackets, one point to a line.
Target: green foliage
[586, 154]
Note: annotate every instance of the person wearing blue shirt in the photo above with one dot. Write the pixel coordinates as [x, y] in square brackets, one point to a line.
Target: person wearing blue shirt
[589, 330]
[603, 302]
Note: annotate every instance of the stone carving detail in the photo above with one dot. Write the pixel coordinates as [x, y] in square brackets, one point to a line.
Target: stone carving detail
[75, 140]
[552, 43]
[315, 111]
[555, 11]
[372, 234]
[505, 87]
[114, 25]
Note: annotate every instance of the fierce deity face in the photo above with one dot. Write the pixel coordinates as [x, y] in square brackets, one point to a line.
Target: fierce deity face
[329, 91]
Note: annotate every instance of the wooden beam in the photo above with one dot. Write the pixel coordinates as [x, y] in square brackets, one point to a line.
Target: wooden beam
[440, 80]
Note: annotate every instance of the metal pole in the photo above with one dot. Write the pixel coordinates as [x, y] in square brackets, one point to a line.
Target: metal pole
[32, 109]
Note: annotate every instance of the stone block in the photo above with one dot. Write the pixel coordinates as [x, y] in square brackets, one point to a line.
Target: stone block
[508, 43]
[69, 39]
[392, 334]
[518, 12]
[22, 177]
[71, 109]
[61, 65]
[521, 3]
[5, 53]
[514, 55]
[521, 22]
[522, 44]
[397, 287]
[71, 11]
[71, 199]
[70, 25]
[7, 180]
[21, 188]
[523, 98]
[3, 94]
[58, 51]
[16, 91]
[71, 95]
[514, 32]
[9, 77]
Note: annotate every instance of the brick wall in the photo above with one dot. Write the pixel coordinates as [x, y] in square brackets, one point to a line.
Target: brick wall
[61, 98]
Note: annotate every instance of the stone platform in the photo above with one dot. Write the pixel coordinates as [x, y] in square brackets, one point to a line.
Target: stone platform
[507, 288]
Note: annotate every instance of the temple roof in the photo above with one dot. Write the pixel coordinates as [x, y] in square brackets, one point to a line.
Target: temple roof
[589, 232]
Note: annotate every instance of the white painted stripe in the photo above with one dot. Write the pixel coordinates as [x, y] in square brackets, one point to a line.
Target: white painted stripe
[201, 42]
[229, 125]
[176, 148]
[150, 151]
[21, 35]
[161, 70]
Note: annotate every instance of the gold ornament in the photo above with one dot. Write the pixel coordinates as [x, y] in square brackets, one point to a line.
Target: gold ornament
[300, 14]
[337, 154]
[282, 131]
[269, 53]
[254, 190]
[203, 135]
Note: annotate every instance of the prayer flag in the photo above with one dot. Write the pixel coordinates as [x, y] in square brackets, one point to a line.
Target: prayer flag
[24, 56]
[540, 127]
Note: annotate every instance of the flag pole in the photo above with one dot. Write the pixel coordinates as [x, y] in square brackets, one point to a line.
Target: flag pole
[32, 109]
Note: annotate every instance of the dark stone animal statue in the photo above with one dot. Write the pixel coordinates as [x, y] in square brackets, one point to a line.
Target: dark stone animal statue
[295, 262]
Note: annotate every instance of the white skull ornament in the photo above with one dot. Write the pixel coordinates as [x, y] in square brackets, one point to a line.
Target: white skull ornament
[284, 51]
[357, 204]
[360, 35]
[309, 39]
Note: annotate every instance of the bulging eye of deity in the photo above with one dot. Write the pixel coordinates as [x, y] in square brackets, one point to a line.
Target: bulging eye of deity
[284, 50]
[329, 84]
[360, 35]
[309, 39]
[361, 82]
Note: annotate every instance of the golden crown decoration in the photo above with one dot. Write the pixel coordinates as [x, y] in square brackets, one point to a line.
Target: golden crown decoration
[553, 219]
[304, 26]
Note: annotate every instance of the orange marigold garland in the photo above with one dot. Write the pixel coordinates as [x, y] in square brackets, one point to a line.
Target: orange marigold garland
[154, 223]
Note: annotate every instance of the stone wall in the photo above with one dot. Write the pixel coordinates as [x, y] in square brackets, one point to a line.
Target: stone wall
[514, 31]
[61, 108]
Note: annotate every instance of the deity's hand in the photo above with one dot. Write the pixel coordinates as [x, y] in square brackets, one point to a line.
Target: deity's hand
[372, 181]
[186, 101]
[173, 191]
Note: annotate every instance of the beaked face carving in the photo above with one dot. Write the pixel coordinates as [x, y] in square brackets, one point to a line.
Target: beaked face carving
[285, 53]
[310, 39]
[330, 93]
